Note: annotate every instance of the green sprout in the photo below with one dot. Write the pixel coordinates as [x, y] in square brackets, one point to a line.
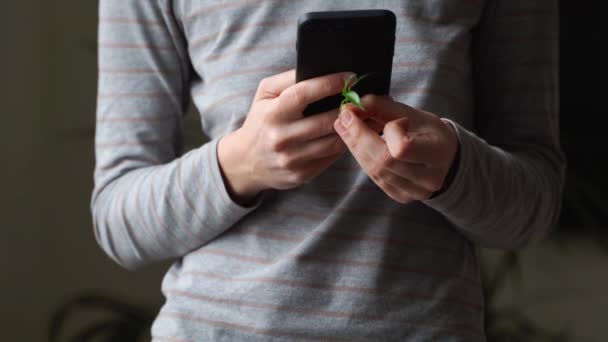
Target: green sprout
[351, 96]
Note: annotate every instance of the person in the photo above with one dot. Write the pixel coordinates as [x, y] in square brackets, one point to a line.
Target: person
[285, 227]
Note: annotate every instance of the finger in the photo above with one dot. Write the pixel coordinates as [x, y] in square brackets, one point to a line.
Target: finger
[315, 168]
[402, 190]
[389, 174]
[366, 116]
[374, 125]
[294, 99]
[299, 154]
[273, 86]
[430, 179]
[311, 127]
[394, 193]
[384, 109]
[364, 143]
[414, 147]
[320, 125]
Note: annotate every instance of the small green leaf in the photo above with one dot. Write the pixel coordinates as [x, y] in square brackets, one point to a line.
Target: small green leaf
[353, 97]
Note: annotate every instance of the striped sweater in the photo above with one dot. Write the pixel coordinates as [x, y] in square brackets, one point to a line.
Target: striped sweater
[335, 259]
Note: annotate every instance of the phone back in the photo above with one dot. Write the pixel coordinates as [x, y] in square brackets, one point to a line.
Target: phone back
[359, 41]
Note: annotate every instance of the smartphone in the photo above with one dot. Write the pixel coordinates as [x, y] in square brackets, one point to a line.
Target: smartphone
[360, 41]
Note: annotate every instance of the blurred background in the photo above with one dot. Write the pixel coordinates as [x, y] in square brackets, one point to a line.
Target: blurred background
[54, 279]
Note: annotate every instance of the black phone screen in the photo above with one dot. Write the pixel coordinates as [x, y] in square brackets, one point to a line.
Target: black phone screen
[358, 41]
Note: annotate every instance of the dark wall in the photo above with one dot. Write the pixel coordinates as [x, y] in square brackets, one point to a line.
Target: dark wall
[584, 118]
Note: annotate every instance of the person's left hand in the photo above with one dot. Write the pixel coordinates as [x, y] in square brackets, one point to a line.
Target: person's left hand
[413, 159]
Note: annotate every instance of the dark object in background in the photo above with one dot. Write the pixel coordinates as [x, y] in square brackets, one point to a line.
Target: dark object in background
[584, 122]
[117, 321]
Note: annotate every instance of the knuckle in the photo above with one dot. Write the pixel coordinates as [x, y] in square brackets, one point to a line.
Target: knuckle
[405, 200]
[327, 124]
[387, 160]
[379, 181]
[295, 95]
[354, 132]
[337, 145]
[264, 84]
[329, 86]
[401, 149]
[400, 197]
[284, 161]
[276, 140]
[392, 125]
[435, 120]
[376, 173]
[370, 100]
[422, 195]
[298, 177]
[435, 183]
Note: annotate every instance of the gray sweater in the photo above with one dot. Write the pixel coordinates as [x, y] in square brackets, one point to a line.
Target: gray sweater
[335, 259]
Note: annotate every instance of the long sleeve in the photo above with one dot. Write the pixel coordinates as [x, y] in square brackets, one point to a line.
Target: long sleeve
[149, 203]
[507, 190]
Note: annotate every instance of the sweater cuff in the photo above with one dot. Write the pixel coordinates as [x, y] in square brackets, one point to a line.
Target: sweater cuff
[454, 196]
[231, 211]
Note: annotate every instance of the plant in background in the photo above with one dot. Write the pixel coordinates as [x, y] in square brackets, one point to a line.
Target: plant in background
[98, 317]
[351, 96]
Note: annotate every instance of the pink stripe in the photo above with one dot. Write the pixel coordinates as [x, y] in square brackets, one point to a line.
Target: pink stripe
[428, 90]
[138, 143]
[131, 160]
[199, 41]
[429, 64]
[246, 328]
[176, 215]
[228, 75]
[170, 230]
[256, 48]
[342, 262]
[180, 187]
[142, 214]
[210, 9]
[226, 99]
[318, 313]
[205, 195]
[382, 240]
[333, 288]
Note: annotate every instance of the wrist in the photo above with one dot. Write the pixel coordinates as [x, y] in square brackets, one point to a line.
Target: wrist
[454, 165]
[235, 169]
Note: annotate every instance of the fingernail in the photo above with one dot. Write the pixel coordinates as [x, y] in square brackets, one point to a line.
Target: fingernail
[339, 127]
[346, 118]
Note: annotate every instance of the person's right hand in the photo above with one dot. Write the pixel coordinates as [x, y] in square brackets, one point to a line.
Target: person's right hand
[278, 147]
